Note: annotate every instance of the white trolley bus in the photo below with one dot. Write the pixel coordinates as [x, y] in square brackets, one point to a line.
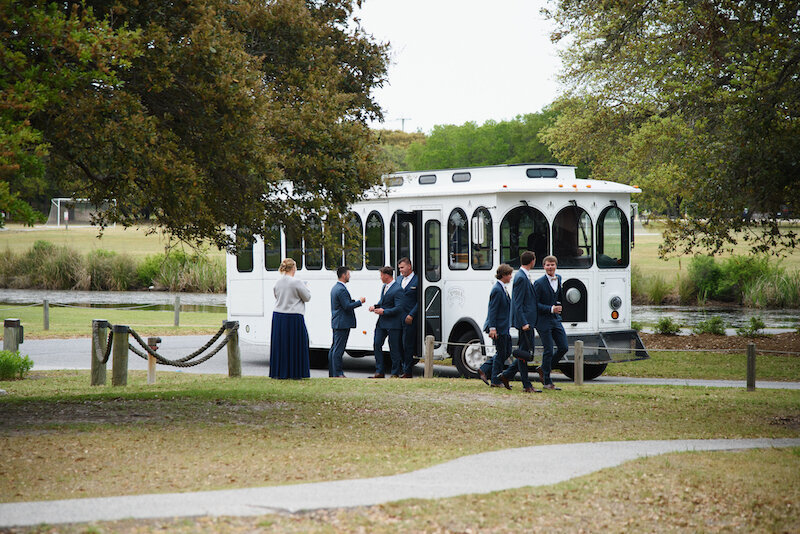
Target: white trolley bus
[457, 226]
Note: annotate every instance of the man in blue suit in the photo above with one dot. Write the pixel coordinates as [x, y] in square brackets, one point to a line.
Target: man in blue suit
[498, 322]
[343, 318]
[548, 302]
[390, 323]
[408, 302]
[523, 315]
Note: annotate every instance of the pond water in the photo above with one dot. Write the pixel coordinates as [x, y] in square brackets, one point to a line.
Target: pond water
[734, 316]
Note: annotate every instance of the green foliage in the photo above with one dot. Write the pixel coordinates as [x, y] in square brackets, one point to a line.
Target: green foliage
[778, 289]
[178, 271]
[714, 325]
[15, 209]
[733, 278]
[394, 148]
[636, 325]
[111, 271]
[687, 290]
[657, 288]
[696, 102]
[752, 329]
[705, 274]
[667, 326]
[13, 366]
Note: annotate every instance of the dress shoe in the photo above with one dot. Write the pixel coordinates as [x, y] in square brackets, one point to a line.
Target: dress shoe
[504, 380]
[523, 355]
[496, 385]
[483, 377]
[551, 386]
[531, 390]
[406, 375]
[541, 374]
[378, 375]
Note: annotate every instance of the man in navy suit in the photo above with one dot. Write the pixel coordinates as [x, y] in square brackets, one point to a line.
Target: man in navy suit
[548, 302]
[390, 323]
[523, 315]
[498, 322]
[343, 318]
[410, 305]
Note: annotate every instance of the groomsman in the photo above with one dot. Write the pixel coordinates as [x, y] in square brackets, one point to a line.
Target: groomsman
[523, 315]
[390, 324]
[410, 305]
[548, 324]
[343, 318]
[498, 322]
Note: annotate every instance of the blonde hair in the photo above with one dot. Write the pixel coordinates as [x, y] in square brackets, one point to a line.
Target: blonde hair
[287, 266]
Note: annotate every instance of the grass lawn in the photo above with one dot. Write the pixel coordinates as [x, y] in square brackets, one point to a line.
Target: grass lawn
[77, 321]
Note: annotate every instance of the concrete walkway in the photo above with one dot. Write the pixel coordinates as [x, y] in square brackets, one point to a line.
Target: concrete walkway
[477, 474]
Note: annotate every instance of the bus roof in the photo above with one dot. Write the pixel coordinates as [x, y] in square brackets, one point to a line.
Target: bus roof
[512, 178]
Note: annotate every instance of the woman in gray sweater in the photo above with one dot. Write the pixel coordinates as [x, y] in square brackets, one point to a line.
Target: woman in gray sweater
[288, 349]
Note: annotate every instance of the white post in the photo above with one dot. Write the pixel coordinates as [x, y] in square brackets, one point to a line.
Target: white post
[578, 372]
[428, 357]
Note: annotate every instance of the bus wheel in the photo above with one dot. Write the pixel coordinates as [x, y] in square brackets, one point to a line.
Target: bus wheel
[469, 356]
[590, 370]
[318, 358]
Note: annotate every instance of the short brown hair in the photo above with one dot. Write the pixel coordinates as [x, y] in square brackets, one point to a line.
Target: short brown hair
[387, 270]
[504, 270]
[527, 257]
[550, 258]
[405, 259]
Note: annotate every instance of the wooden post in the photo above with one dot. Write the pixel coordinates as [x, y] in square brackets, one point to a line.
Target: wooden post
[119, 366]
[46, 312]
[234, 356]
[578, 372]
[177, 307]
[98, 366]
[11, 334]
[751, 367]
[428, 357]
[152, 342]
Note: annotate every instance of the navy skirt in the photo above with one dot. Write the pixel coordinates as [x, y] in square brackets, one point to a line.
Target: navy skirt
[288, 348]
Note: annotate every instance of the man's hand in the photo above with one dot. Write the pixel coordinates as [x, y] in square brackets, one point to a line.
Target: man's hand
[493, 333]
[363, 300]
[379, 311]
[372, 308]
[409, 319]
[526, 327]
[556, 309]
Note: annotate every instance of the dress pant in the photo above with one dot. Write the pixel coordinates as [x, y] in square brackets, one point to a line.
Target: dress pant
[409, 346]
[525, 343]
[548, 337]
[340, 337]
[395, 336]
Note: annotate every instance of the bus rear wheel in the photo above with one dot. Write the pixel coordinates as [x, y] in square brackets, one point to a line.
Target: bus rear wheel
[468, 355]
[590, 370]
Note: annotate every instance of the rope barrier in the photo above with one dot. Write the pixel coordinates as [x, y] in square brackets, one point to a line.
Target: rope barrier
[20, 306]
[181, 362]
[96, 340]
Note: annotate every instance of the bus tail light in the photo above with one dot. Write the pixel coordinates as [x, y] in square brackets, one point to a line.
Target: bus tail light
[615, 314]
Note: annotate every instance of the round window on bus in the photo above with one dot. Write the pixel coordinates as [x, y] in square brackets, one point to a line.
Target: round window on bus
[612, 239]
[572, 238]
[523, 228]
[374, 241]
[457, 240]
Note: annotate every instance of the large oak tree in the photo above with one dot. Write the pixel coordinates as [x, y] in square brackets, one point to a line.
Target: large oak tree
[206, 113]
[697, 101]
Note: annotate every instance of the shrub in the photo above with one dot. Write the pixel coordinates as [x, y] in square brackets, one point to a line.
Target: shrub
[13, 366]
[752, 329]
[667, 326]
[775, 290]
[715, 326]
[687, 290]
[99, 265]
[657, 289]
[705, 274]
[738, 272]
[637, 284]
[636, 325]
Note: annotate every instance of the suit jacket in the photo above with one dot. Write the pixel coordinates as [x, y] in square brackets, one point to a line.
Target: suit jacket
[546, 298]
[408, 296]
[343, 307]
[392, 318]
[499, 315]
[523, 301]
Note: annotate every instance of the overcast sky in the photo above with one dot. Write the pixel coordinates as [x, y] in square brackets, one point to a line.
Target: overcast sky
[454, 61]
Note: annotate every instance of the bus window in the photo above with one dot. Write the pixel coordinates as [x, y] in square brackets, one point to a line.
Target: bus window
[612, 239]
[313, 238]
[482, 239]
[572, 238]
[523, 228]
[403, 241]
[433, 314]
[458, 240]
[272, 248]
[374, 241]
[353, 242]
[244, 259]
[294, 245]
[433, 251]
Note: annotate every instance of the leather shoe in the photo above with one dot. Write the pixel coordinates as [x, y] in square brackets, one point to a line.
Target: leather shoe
[406, 375]
[541, 374]
[551, 386]
[531, 390]
[378, 375]
[523, 355]
[483, 377]
[504, 380]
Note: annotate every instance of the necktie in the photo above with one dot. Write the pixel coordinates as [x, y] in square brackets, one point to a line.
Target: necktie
[383, 291]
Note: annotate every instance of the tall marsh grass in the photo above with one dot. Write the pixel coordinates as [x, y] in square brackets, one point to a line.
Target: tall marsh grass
[776, 290]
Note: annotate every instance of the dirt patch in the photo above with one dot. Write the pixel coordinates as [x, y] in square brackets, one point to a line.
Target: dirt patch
[787, 342]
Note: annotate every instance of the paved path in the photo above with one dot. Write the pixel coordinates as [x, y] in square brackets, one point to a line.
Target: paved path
[480, 473]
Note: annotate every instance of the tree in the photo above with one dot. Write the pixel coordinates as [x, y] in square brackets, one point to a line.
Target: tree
[394, 146]
[698, 102]
[211, 114]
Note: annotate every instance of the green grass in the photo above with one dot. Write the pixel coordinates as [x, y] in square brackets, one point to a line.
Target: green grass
[77, 321]
[62, 438]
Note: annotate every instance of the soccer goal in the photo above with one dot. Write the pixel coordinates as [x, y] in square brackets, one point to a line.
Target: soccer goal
[72, 211]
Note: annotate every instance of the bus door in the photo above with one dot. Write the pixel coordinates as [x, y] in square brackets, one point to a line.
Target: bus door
[405, 241]
[430, 273]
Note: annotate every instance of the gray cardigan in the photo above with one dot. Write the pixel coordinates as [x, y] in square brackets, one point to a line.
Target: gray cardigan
[291, 295]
